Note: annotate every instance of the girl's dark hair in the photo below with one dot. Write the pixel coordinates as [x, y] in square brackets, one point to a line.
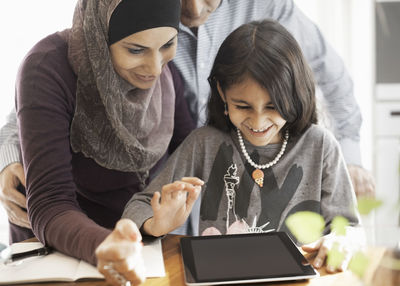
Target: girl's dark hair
[266, 52]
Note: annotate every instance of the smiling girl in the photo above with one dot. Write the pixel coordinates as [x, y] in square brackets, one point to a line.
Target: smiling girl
[261, 158]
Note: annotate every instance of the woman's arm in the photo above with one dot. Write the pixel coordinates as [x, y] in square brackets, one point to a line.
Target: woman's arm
[45, 92]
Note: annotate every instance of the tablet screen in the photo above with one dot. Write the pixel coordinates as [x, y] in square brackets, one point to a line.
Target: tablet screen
[242, 257]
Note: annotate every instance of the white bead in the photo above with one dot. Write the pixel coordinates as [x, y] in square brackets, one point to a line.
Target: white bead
[265, 166]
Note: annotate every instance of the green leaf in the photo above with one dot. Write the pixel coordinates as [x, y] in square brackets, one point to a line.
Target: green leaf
[358, 264]
[335, 256]
[366, 205]
[306, 226]
[339, 225]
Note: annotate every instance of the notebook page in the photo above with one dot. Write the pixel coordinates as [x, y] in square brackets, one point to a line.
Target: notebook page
[52, 267]
[59, 267]
[153, 259]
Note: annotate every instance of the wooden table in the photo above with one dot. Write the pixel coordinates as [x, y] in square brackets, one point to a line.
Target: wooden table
[174, 271]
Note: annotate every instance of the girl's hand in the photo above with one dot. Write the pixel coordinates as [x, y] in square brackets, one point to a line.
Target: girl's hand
[323, 246]
[119, 256]
[173, 209]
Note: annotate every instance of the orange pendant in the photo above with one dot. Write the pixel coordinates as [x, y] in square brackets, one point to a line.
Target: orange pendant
[258, 177]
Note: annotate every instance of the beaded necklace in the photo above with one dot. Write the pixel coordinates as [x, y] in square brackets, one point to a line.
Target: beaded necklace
[258, 174]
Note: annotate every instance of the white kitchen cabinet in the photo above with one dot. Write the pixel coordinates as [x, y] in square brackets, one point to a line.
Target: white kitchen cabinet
[387, 122]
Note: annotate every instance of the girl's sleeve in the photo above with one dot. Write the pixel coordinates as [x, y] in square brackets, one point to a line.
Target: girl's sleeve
[188, 160]
[45, 108]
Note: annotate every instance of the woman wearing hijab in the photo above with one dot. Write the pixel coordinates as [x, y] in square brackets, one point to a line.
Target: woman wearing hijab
[98, 110]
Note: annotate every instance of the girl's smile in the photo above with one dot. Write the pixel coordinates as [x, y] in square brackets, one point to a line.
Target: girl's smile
[258, 132]
[252, 112]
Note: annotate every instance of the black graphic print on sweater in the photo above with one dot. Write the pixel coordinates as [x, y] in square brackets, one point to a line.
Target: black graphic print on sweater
[272, 199]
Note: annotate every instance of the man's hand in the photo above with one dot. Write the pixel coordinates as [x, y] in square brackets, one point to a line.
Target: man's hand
[119, 256]
[174, 208]
[363, 182]
[13, 201]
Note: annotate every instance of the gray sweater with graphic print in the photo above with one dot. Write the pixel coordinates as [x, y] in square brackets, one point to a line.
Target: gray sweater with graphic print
[311, 175]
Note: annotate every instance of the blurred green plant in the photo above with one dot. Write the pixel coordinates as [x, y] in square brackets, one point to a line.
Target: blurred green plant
[306, 226]
[368, 204]
[358, 264]
[335, 256]
[339, 224]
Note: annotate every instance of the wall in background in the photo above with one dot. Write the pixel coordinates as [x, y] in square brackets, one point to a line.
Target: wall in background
[22, 24]
[348, 25]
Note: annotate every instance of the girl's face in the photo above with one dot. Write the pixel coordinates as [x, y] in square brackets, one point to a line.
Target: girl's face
[252, 112]
[140, 57]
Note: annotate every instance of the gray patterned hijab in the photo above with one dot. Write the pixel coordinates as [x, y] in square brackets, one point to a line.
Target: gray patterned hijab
[119, 126]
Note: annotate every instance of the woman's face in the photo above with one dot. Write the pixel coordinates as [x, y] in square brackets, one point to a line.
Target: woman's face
[252, 112]
[140, 57]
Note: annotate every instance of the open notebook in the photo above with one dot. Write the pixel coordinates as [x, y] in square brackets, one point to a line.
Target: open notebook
[59, 267]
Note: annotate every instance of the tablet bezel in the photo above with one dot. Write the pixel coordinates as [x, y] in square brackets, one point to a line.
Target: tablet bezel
[188, 263]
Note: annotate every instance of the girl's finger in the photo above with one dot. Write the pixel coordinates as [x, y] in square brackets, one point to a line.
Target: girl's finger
[155, 202]
[179, 189]
[188, 188]
[313, 246]
[193, 180]
[320, 258]
[345, 262]
[168, 189]
[191, 198]
[178, 195]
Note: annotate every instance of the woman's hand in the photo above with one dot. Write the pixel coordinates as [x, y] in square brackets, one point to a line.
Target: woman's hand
[13, 201]
[322, 246]
[173, 209]
[119, 256]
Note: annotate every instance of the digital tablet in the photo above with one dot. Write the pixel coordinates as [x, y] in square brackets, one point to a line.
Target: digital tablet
[243, 258]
